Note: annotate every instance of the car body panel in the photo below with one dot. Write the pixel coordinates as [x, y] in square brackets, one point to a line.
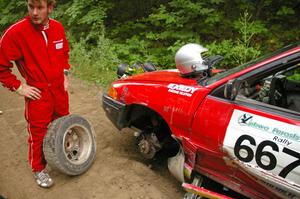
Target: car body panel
[247, 145]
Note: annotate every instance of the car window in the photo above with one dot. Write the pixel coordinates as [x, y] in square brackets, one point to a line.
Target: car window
[224, 74]
[280, 89]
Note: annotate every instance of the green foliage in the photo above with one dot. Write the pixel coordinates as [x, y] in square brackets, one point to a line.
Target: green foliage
[216, 24]
[85, 19]
[97, 63]
[240, 50]
[92, 55]
[92, 58]
[104, 33]
[295, 76]
[10, 12]
[158, 36]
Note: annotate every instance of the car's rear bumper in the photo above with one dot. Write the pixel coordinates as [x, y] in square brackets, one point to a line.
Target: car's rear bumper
[114, 110]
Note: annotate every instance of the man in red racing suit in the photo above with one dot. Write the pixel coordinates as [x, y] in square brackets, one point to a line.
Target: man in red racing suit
[37, 45]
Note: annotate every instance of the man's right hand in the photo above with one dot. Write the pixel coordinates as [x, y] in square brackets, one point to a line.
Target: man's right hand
[29, 92]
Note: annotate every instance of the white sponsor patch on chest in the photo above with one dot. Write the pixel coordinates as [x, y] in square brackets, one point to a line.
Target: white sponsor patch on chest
[58, 44]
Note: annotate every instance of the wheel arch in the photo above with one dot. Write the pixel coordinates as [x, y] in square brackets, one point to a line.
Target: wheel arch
[138, 115]
[142, 117]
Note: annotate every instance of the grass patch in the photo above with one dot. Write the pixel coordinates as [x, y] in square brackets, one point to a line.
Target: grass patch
[96, 63]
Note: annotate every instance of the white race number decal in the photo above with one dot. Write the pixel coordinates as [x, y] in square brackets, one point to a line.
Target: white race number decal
[269, 144]
[260, 153]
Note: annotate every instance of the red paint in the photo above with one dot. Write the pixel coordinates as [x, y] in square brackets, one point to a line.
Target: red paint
[200, 121]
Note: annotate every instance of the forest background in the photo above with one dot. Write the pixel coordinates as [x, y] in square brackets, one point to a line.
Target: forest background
[105, 33]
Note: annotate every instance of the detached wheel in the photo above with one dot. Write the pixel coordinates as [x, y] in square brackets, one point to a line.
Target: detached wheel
[69, 145]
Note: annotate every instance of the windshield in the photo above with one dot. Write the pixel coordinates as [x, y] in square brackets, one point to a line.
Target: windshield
[224, 74]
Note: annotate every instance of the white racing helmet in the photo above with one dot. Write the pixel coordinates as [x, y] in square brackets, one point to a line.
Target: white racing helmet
[189, 61]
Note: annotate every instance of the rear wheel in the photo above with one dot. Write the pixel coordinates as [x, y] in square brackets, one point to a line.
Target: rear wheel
[69, 145]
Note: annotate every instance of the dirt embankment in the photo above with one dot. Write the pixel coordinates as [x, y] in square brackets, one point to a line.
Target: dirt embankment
[118, 171]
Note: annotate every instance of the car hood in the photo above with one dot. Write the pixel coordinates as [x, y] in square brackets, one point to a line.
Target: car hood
[163, 76]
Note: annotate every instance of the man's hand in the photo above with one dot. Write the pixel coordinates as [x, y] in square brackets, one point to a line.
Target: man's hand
[66, 82]
[29, 92]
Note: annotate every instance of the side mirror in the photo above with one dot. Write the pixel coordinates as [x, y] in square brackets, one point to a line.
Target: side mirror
[232, 88]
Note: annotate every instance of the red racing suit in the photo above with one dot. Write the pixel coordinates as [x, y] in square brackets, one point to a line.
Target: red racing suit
[41, 54]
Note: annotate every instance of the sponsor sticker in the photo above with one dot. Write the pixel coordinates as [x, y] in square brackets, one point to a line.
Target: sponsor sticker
[181, 89]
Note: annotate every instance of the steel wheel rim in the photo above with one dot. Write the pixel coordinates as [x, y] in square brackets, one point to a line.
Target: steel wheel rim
[77, 144]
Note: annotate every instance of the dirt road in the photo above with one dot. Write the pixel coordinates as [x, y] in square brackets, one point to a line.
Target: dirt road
[118, 171]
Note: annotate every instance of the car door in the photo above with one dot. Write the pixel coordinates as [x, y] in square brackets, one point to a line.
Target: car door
[258, 130]
[263, 133]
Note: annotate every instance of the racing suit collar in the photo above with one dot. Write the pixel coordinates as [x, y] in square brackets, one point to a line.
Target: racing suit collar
[40, 27]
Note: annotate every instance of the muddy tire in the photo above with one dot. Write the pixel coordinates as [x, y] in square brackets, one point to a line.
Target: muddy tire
[69, 145]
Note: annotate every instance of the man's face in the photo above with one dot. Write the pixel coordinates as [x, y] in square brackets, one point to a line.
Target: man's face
[39, 11]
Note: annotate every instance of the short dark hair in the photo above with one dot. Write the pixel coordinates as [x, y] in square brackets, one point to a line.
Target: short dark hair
[49, 2]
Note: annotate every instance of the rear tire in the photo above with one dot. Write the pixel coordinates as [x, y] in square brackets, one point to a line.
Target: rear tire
[69, 145]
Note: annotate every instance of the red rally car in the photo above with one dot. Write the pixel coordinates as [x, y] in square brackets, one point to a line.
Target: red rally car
[238, 127]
